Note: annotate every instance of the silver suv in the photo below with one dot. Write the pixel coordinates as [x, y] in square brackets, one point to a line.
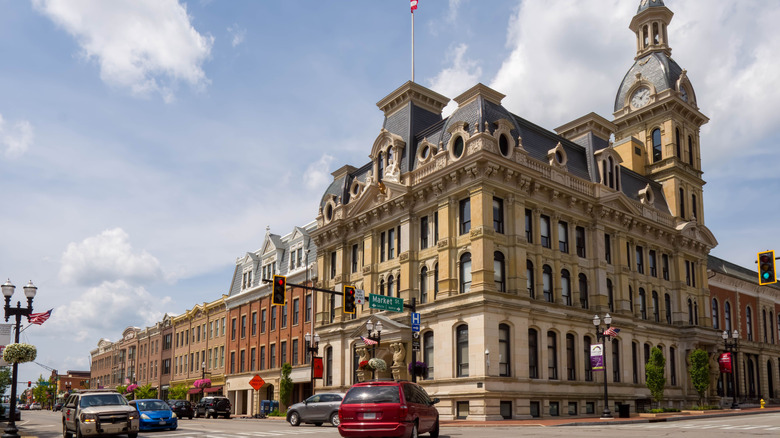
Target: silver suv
[98, 412]
[317, 409]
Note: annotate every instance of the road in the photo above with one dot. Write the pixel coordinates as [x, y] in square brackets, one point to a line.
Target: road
[45, 424]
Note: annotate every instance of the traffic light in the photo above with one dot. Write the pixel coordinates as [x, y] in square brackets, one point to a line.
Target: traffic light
[349, 299]
[29, 383]
[766, 267]
[278, 297]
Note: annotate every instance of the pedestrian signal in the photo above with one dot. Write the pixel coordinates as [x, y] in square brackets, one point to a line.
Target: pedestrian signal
[280, 290]
[766, 267]
[349, 299]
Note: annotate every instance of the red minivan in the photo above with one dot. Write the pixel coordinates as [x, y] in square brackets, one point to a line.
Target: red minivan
[388, 408]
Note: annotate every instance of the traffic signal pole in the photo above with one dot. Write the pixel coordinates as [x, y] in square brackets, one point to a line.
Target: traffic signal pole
[413, 307]
[303, 286]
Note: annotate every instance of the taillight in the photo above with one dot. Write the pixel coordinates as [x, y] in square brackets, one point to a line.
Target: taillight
[341, 417]
[404, 412]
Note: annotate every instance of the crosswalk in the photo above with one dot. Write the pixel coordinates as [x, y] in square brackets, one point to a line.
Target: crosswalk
[249, 434]
[701, 426]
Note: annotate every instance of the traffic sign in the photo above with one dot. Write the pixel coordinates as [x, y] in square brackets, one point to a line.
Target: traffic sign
[257, 382]
[383, 302]
[360, 296]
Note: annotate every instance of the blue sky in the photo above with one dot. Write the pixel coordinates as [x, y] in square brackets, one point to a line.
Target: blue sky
[146, 144]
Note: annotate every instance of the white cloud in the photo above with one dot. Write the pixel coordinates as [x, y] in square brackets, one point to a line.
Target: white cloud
[15, 137]
[146, 46]
[109, 308]
[317, 175]
[238, 33]
[107, 257]
[462, 74]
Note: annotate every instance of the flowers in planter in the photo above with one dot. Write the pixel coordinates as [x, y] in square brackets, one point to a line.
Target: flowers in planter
[417, 368]
[19, 353]
[131, 388]
[363, 366]
[377, 364]
[202, 383]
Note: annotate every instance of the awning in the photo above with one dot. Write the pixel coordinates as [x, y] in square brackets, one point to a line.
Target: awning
[193, 391]
[213, 389]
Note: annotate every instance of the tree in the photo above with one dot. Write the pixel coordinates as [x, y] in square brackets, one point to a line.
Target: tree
[285, 385]
[5, 378]
[42, 391]
[178, 392]
[654, 373]
[145, 391]
[700, 372]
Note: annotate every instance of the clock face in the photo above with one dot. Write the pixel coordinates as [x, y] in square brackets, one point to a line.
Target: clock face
[640, 98]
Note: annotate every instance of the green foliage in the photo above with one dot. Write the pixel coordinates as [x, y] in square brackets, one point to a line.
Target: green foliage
[5, 378]
[43, 392]
[662, 410]
[121, 389]
[700, 372]
[286, 385]
[704, 408]
[178, 392]
[145, 391]
[654, 373]
[277, 413]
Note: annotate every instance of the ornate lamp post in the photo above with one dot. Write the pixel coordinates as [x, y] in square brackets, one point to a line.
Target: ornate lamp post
[603, 337]
[202, 378]
[731, 347]
[8, 290]
[375, 336]
[311, 350]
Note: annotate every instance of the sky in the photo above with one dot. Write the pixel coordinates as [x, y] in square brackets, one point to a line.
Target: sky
[146, 144]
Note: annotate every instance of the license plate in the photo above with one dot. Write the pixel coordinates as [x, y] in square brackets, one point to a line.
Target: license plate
[162, 421]
[369, 415]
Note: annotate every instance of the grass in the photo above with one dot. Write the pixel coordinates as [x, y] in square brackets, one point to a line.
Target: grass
[662, 410]
[703, 408]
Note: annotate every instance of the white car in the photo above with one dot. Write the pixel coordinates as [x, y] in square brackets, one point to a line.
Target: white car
[35, 407]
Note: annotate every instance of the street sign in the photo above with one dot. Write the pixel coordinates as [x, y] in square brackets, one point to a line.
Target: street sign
[415, 322]
[382, 302]
[257, 382]
[416, 341]
[360, 296]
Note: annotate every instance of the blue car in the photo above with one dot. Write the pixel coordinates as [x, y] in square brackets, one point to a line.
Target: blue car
[155, 414]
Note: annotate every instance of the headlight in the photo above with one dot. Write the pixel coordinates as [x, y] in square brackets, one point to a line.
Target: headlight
[88, 418]
[145, 417]
[131, 417]
[173, 414]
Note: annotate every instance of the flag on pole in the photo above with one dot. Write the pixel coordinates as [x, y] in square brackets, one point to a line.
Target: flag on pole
[39, 318]
[612, 331]
[368, 341]
[414, 5]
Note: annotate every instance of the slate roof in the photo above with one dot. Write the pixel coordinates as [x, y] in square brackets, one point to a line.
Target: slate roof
[716, 264]
[656, 67]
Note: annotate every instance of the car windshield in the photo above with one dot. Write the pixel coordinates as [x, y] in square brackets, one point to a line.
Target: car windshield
[102, 400]
[372, 394]
[152, 405]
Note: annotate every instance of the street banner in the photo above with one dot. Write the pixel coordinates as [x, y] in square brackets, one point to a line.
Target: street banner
[597, 357]
[5, 339]
[725, 362]
[316, 368]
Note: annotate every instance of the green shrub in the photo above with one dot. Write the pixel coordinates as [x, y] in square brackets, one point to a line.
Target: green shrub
[276, 413]
[703, 408]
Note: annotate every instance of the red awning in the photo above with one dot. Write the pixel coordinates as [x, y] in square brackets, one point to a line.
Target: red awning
[213, 389]
[193, 391]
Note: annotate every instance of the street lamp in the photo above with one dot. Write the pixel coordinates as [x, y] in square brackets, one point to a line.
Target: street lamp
[8, 290]
[202, 378]
[603, 337]
[311, 350]
[375, 336]
[731, 347]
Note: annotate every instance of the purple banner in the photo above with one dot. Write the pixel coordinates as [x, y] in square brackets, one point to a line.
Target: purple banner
[597, 357]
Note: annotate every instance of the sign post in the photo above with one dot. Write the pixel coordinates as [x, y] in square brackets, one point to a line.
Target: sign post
[257, 382]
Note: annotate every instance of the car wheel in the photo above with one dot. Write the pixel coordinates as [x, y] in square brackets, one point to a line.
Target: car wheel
[319, 423]
[174, 428]
[414, 431]
[190, 417]
[132, 435]
[227, 415]
[295, 419]
[435, 430]
[78, 431]
[334, 419]
[65, 432]
[197, 414]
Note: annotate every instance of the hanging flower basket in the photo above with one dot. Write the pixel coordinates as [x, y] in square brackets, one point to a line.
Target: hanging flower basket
[377, 364]
[202, 383]
[19, 353]
[364, 366]
[417, 368]
[131, 388]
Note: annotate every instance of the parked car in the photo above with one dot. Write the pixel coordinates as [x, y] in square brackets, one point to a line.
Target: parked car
[213, 406]
[182, 408]
[98, 412]
[35, 407]
[317, 409]
[388, 408]
[57, 406]
[155, 414]
[5, 408]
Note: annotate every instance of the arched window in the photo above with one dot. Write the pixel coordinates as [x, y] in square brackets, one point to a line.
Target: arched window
[694, 207]
[682, 203]
[610, 296]
[695, 312]
[423, 285]
[771, 326]
[435, 281]
[588, 367]
[656, 308]
[631, 299]
[381, 286]
[529, 274]
[498, 271]
[465, 273]
[389, 156]
[690, 150]
[610, 172]
[504, 358]
[533, 353]
[677, 141]
[329, 366]
[390, 284]
[690, 311]
[766, 334]
[656, 145]
[749, 322]
[615, 360]
[583, 281]
[380, 167]
[645, 37]
[462, 350]
[715, 316]
[571, 373]
[668, 306]
[727, 316]
[642, 303]
[552, 356]
[566, 287]
[428, 354]
[656, 35]
[547, 284]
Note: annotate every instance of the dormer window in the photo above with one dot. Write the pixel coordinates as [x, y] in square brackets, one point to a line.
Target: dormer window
[503, 145]
[457, 147]
[609, 167]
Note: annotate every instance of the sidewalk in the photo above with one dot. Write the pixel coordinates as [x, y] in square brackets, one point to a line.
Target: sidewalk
[596, 421]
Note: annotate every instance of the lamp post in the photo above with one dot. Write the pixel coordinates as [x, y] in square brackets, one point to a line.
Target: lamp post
[8, 290]
[375, 336]
[603, 337]
[731, 347]
[202, 378]
[311, 350]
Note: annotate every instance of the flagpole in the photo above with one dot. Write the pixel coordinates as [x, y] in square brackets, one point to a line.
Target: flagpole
[412, 46]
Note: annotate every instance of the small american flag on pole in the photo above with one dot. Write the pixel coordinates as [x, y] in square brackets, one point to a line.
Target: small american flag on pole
[414, 5]
[612, 331]
[368, 341]
[39, 318]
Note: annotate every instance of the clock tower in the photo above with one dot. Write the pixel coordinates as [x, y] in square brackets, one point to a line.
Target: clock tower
[657, 117]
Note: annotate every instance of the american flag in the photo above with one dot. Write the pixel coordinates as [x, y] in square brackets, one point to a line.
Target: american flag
[368, 341]
[612, 331]
[414, 5]
[39, 318]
